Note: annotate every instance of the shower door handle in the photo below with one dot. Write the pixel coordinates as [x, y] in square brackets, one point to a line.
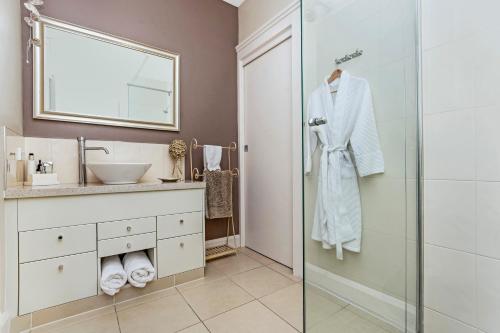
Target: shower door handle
[317, 121]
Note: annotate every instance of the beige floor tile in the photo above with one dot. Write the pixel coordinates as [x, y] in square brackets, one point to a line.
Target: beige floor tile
[213, 298]
[319, 307]
[261, 281]
[287, 303]
[100, 321]
[312, 289]
[129, 292]
[236, 264]
[286, 271]
[70, 309]
[198, 328]
[250, 318]
[345, 322]
[189, 276]
[164, 315]
[365, 315]
[257, 256]
[146, 298]
[211, 274]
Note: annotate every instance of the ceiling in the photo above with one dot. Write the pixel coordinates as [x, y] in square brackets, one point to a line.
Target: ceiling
[235, 3]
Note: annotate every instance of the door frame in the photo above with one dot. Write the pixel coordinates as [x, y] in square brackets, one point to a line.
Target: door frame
[286, 25]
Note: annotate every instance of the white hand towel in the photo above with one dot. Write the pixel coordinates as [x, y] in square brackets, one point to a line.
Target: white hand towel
[113, 276]
[139, 269]
[212, 156]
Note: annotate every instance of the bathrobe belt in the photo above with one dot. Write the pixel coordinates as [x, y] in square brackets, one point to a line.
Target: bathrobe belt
[333, 160]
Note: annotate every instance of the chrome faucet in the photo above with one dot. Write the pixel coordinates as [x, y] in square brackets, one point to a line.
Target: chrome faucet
[82, 161]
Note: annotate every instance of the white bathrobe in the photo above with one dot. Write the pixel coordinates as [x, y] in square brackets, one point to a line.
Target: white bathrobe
[337, 218]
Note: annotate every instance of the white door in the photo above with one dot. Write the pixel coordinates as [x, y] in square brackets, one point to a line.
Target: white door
[268, 161]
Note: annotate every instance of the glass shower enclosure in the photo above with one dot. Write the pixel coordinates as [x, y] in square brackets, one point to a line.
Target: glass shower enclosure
[373, 285]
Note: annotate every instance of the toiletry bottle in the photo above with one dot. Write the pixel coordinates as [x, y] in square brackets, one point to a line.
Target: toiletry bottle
[19, 154]
[39, 167]
[20, 165]
[11, 170]
[31, 166]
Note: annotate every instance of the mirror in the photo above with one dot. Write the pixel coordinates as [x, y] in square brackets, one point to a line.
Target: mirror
[85, 76]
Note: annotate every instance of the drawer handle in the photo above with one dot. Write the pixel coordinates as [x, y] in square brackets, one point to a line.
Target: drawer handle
[60, 237]
[181, 221]
[60, 268]
[182, 244]
[129, 245]
[129, 228]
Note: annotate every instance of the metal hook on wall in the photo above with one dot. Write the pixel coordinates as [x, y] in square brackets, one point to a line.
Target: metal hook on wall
[349, 57]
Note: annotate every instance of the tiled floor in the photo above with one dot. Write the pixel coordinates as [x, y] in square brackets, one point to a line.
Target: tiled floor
[239, 294]
[328, 314]
[243, 293]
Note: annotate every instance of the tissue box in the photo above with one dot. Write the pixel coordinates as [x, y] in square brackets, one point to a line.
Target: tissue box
[42, 179]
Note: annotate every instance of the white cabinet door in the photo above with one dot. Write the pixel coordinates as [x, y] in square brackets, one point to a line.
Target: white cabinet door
[180, 254]
[47, 283]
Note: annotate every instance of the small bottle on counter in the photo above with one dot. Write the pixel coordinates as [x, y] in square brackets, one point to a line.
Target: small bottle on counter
[30, 167]
[39, 167]
[15, 168]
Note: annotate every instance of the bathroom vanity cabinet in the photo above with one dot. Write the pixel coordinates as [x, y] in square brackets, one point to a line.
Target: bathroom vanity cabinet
[55, 242]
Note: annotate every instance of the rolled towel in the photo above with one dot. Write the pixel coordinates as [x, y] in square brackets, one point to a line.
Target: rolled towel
[138, 268]
[113, 276]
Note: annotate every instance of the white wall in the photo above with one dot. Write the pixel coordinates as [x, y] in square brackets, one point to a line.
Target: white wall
[10, 100]
[461, 55]
[10, 66]
[253, 14]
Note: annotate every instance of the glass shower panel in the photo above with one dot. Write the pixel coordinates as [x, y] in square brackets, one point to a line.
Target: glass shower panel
[374, 290]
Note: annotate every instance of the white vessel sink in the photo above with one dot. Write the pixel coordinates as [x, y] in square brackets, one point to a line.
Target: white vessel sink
[119, 173]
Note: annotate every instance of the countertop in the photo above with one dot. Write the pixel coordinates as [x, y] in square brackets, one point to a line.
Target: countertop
[23, 192]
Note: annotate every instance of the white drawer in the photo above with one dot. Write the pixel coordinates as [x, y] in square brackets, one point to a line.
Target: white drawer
[124, 228]
[121, 245]
[180, 224]
[58, 242]
[47, 283]
[181, 254]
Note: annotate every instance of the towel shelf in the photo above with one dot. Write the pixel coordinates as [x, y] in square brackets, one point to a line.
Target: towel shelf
[224, 250]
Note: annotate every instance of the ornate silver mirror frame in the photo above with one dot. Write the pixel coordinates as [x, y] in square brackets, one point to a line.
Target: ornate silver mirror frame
[39, 111]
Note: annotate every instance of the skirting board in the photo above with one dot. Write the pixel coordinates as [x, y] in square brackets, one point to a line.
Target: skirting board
[222, 241]
[386, 308]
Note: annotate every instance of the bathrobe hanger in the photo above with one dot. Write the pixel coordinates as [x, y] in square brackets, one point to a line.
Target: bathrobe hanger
[335, 75]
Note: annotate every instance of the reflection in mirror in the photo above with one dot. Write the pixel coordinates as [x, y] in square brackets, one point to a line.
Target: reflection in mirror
[94, 78]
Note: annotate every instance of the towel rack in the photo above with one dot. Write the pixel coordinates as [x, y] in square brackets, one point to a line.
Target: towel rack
[195, 172]
[223, 250]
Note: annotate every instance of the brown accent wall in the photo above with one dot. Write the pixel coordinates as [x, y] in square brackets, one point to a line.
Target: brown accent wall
[203, 32]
